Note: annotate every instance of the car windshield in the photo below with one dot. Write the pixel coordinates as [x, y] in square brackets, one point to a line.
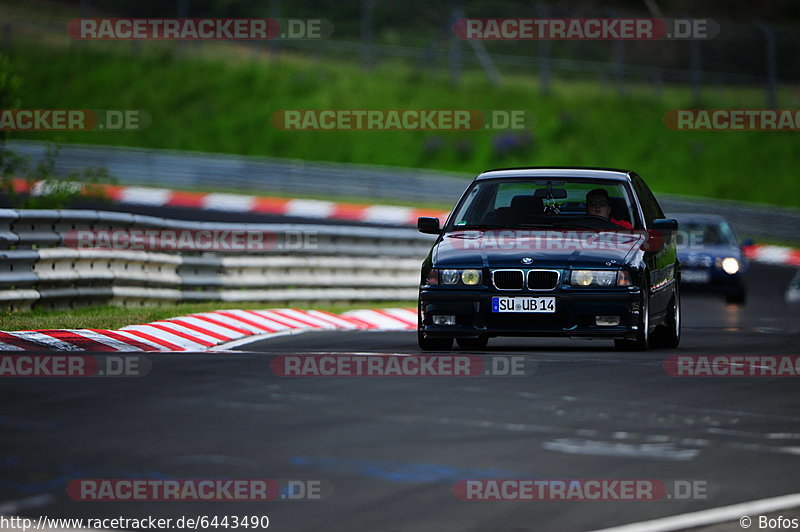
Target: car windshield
[706, 234]
[543, 203]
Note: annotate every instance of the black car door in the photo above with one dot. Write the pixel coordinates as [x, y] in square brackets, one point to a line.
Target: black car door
[660, 259]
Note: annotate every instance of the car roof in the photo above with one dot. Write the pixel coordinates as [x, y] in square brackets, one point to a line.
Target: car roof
[613, 174]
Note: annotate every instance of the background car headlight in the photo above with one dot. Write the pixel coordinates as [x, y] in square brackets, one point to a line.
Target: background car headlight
[593, 278]
[471, 277]
[729, 264]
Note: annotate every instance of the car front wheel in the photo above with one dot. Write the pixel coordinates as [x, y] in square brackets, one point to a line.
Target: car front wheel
[738, 298]
[668, 334]
[473, 343]
[430, 344]
[642, 340]
[433, 344]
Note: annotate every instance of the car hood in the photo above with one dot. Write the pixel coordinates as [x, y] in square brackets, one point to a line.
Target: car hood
[550, 249]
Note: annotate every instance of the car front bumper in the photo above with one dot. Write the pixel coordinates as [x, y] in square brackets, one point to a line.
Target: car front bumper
[712, 280]
[574, 315]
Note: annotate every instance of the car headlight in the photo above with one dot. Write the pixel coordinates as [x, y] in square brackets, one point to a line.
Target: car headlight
[593, 278]
[449, 276]
[729, 264]
[469, 277]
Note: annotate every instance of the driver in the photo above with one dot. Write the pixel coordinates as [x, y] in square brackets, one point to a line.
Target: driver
[598, 204]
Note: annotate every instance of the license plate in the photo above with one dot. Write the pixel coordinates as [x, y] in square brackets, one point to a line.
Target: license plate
[695, 276]
[523, 304]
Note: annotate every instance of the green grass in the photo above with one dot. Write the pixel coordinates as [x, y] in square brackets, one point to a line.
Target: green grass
[225, 104]
[109, 317]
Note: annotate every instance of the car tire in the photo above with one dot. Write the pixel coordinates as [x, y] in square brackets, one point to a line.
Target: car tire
[739, 298]
[473, 343]
[668, 334]
[433, 344]
[642, 340]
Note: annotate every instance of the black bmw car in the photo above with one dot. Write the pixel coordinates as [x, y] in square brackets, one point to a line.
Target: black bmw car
[571, 252]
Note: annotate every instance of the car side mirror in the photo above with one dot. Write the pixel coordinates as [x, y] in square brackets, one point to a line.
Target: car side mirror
[747, 242]
[665, 224]
[428, 226]
[661, 227]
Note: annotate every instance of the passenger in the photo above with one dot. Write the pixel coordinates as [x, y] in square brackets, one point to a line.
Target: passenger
[598, 204]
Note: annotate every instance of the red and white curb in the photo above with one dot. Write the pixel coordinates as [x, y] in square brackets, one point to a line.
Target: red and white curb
[773, 255]
[207, 330]
[241, 203]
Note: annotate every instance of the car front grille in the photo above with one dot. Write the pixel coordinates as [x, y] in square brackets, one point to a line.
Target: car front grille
[516, 279]
[508, 279]
[542, 279]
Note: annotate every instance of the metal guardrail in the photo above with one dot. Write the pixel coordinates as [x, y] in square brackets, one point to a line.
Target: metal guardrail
[209, 170]
[40, 266]
[138, 166]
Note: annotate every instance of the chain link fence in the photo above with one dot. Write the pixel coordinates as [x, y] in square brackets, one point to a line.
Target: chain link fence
[753, 53]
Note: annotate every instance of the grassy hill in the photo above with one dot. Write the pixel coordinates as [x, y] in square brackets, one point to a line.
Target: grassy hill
[223, 103]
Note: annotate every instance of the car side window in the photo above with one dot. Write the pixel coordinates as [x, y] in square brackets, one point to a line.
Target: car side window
[643, 201]
[657, 211]
[652, 210]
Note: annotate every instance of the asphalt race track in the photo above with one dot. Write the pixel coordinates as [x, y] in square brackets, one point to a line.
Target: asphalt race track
[391, 449]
